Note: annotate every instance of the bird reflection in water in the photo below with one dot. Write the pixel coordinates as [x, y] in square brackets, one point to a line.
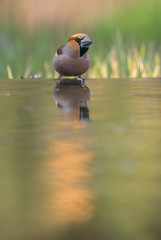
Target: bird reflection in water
[73, 97]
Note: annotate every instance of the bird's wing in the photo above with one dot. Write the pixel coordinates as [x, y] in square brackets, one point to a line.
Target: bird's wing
[60, 50]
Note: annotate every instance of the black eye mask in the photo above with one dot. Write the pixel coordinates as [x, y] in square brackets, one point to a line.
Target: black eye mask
[83, 50]
[78, 40]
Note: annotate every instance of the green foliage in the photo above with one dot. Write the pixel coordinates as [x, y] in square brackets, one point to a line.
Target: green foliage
[125, 44]
[26, 53]
[139, 22]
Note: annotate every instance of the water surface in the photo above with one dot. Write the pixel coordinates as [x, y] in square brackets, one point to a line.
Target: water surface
[80, 162]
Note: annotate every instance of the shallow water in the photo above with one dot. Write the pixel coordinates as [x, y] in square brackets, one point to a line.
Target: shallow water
[80, 162]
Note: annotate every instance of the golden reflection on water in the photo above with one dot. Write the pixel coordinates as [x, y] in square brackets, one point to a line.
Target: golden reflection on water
[71, 199]
[68, 164]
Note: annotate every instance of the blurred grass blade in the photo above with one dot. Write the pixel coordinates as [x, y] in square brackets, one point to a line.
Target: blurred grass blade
[27, 72]
[9, 72]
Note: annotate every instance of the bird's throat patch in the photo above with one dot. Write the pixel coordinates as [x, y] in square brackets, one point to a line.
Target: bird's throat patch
[83, 51]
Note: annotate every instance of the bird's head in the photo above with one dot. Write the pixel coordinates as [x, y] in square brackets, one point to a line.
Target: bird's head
[79, 43]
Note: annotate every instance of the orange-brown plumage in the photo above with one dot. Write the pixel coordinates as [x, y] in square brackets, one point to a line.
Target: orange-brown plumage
[72, 59]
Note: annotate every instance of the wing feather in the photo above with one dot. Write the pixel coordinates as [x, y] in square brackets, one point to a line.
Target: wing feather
[60, 50]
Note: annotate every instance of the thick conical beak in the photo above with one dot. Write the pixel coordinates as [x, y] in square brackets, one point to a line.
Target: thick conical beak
[85, 42]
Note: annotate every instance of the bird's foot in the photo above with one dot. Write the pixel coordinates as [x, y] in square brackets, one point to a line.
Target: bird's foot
[80, 78]
[60, 76]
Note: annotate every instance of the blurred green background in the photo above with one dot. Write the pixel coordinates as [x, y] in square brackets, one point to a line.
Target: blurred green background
[66, 179]
[126, 36]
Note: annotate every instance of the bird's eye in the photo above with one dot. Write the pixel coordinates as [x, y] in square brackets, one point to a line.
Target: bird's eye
[77, 40]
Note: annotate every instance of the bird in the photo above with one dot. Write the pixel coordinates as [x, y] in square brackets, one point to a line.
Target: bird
[72, 59]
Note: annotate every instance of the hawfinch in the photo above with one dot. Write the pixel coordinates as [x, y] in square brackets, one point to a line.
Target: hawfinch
[72, 59]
